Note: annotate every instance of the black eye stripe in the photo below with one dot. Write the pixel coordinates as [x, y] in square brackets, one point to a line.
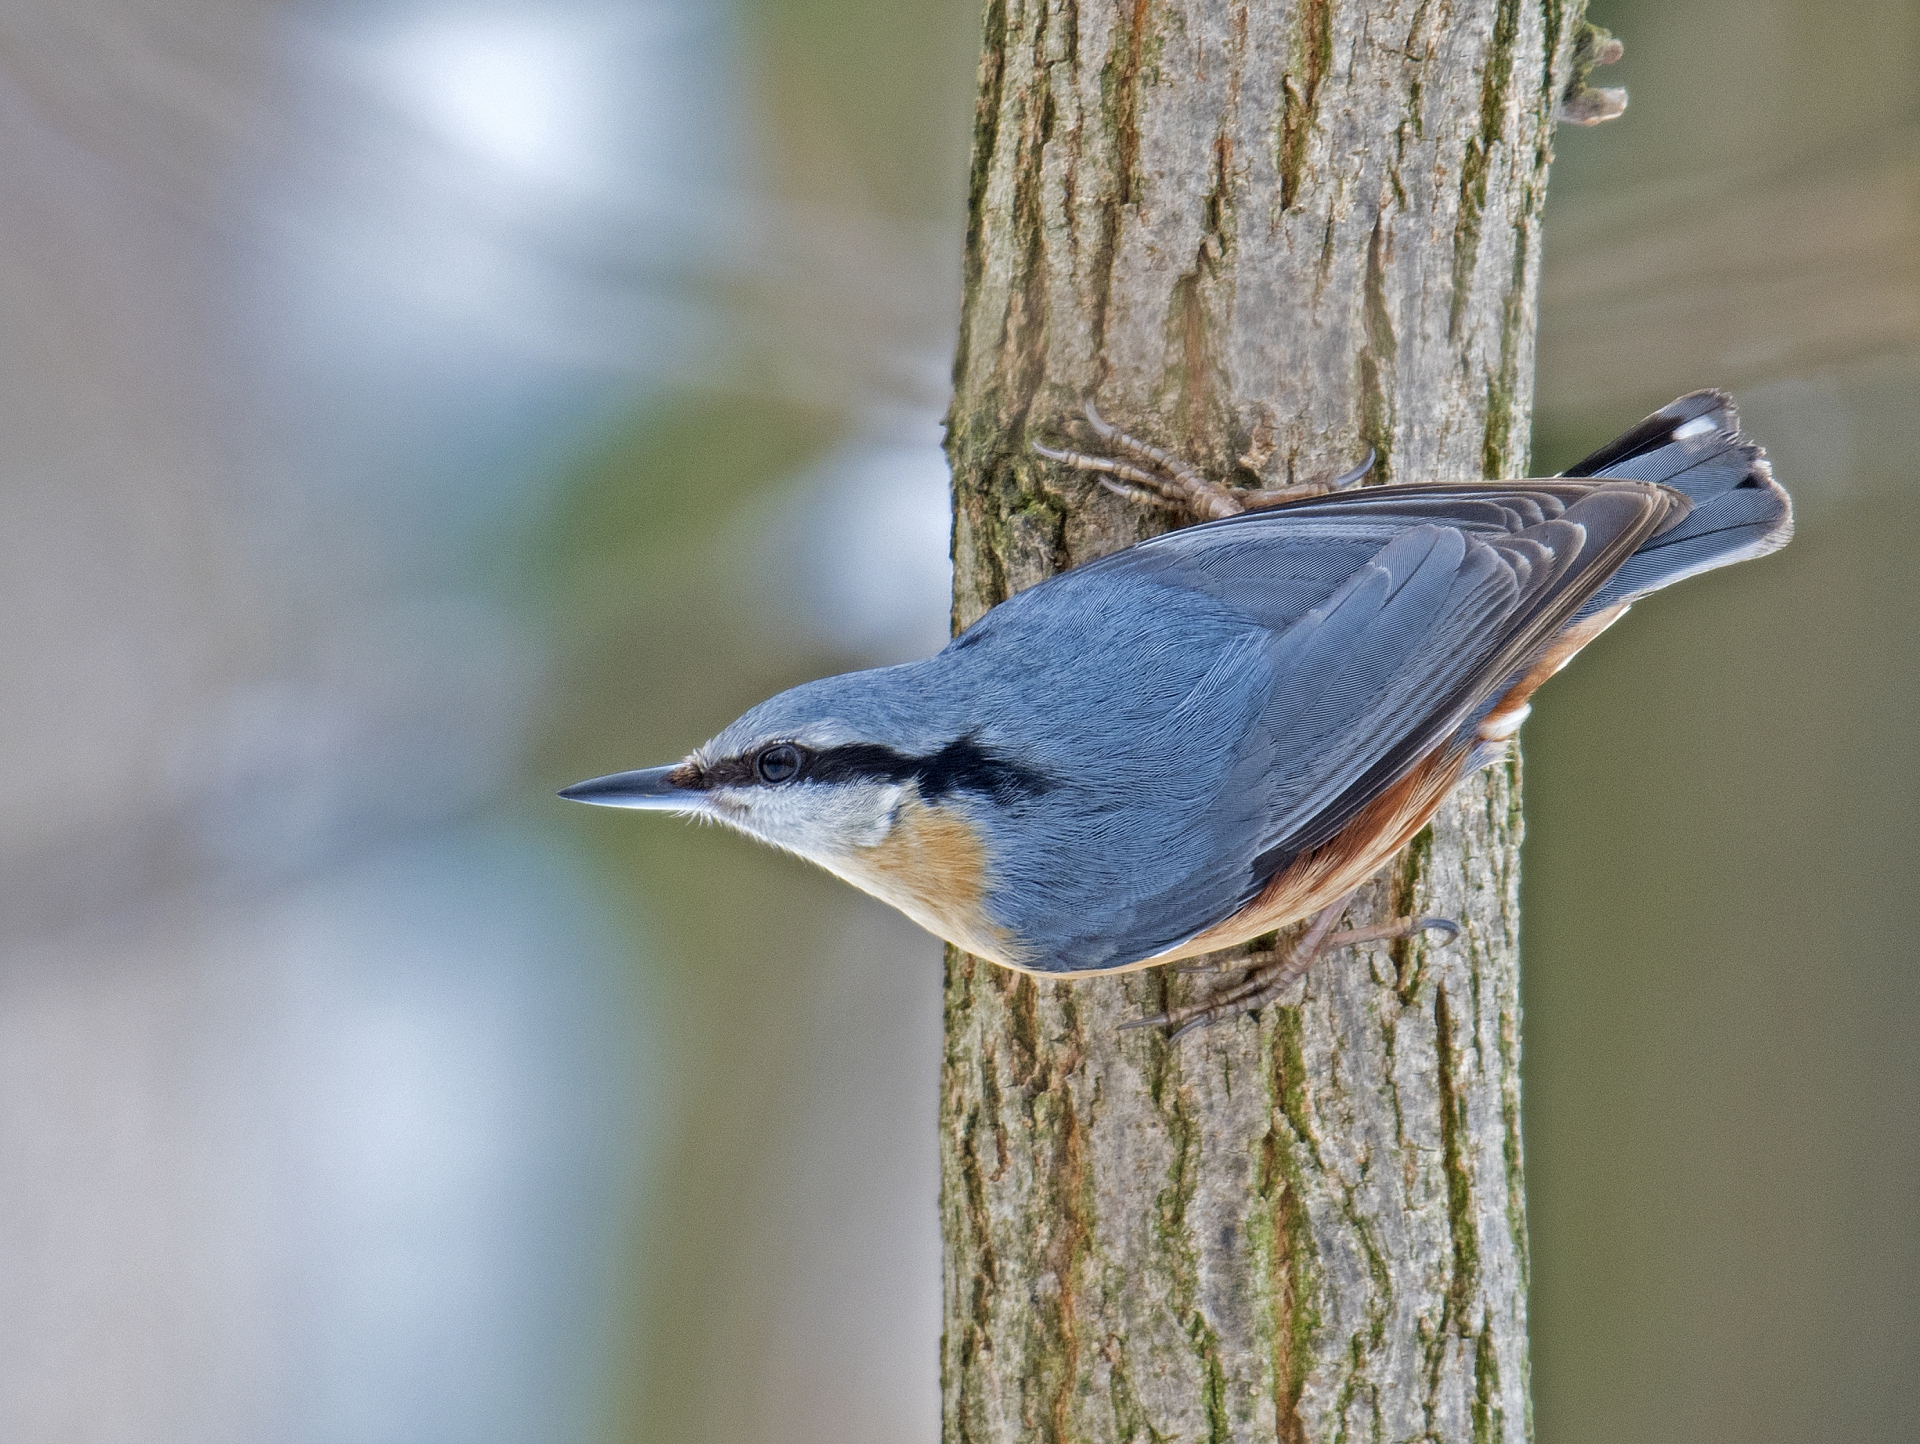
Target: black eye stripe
[961, 766]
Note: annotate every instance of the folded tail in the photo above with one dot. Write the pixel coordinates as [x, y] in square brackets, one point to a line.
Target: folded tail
[1739, 511]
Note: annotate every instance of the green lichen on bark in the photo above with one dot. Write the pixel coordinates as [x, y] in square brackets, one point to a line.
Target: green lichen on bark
[1313, 58]
[1477, 165]
[1377, 360]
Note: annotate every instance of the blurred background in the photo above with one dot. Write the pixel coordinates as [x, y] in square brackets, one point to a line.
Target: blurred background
[413, 407]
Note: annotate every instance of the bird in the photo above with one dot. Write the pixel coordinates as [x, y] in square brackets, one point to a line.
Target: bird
[1226, 729]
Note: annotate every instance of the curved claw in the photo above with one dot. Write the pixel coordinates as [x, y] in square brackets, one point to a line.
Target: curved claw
[1349, 478]
[1141, 495]
[1200, 1021]
[1439, 925]
[1158, 1020]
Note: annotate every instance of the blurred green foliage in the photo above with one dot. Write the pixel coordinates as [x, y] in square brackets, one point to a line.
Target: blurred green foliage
[868, 93]
[1721, 800]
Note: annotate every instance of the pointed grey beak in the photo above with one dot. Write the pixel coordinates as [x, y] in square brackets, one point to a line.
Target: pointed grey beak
[647, 788]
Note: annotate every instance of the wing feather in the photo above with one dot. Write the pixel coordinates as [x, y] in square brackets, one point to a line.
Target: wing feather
[1394, 614]
[1278, 671]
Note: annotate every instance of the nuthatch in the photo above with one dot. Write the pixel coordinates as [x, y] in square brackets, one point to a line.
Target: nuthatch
[1229, 728]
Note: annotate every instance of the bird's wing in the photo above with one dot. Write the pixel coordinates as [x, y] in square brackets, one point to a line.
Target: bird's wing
[1393, 614]
[1277, 564]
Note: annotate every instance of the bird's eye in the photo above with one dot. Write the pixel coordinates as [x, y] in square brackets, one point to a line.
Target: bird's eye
[778, 763]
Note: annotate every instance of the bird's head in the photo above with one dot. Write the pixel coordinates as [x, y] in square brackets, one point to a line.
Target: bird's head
[864, 775]
[820, 770]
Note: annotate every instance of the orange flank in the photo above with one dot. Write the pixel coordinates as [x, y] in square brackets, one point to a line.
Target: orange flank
[1322, 877]
[1508, 713]
[932, 865]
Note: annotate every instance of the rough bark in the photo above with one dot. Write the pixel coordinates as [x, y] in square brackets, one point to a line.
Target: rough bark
[1266, 235]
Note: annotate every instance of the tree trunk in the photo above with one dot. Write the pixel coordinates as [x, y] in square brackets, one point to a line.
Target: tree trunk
[1265, 235]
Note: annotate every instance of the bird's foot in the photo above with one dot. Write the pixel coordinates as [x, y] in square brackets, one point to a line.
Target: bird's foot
[1270, 974]
[1146, 474]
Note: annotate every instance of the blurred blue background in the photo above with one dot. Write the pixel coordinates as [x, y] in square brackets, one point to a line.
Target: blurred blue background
[413, 407]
